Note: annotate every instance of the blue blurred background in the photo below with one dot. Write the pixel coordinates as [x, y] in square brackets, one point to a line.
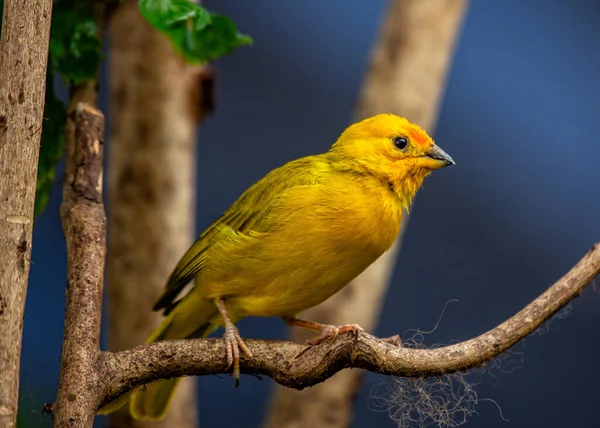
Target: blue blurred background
[522, 205]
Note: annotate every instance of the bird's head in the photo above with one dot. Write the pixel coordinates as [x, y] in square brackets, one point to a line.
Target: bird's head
[394, 150]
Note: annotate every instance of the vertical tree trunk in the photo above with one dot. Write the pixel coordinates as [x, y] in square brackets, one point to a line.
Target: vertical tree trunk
[406, 76]
[151, 187]
[84, 226]
[23, 58]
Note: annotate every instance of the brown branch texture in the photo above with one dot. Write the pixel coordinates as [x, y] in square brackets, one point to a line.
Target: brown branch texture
[23, 58]
[280, 360]
[84, 224]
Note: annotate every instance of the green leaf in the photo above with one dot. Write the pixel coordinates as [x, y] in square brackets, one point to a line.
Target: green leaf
[75, 50]
[52, 146]
[167, 15]
[198, 35]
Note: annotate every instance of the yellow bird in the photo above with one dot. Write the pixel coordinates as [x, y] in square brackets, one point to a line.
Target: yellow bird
[293, 239]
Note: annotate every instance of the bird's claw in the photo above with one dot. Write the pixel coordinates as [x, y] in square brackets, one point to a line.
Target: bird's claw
[233, 344]
[332, 332]
[356, 329]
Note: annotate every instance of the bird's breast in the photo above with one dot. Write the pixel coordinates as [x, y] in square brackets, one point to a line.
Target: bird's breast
[332, 236]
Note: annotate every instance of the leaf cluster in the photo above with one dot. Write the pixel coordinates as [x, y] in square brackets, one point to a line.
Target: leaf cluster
[75, 53]
[75, 50]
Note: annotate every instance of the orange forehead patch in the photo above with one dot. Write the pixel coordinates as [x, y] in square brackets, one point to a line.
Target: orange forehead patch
[417, 135]
[388, 126]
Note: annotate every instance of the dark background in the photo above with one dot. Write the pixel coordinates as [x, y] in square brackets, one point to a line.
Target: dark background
[520, 117]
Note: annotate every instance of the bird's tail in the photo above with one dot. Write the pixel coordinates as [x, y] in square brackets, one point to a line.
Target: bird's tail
[189, 319]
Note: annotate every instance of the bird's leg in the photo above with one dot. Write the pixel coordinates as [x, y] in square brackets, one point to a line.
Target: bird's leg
[326, 331]
[233, 341]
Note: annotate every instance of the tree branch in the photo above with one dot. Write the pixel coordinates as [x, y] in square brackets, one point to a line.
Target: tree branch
[84, 225]
[143, 364]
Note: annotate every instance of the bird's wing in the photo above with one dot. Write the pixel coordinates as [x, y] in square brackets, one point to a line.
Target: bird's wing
[244, 217]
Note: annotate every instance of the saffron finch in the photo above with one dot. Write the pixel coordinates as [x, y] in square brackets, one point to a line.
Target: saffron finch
[293, 239]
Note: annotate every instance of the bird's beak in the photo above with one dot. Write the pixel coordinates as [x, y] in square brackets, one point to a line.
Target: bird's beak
[440, 157]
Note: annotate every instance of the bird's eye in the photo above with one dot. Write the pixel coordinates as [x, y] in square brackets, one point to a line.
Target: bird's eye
[401, 143]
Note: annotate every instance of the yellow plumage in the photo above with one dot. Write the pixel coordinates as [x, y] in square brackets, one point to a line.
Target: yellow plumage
[296, 237]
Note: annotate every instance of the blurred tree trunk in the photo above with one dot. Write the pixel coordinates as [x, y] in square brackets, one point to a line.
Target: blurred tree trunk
[406, 76]
[23, 59]
[154, 110]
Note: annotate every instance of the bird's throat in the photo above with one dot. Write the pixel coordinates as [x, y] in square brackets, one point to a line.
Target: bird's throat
[406, 187]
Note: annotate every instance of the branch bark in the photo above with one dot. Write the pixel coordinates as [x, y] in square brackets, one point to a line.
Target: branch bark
[407, 76]
[23, 58]
[161, 360]
[154, 99]
[84, 225]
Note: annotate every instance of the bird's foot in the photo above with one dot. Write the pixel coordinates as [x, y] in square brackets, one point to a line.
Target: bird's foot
[233, 344]
[331, 332]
